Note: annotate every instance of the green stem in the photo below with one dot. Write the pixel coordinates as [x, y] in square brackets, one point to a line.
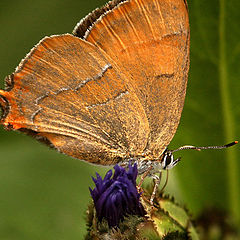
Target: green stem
[228, 122]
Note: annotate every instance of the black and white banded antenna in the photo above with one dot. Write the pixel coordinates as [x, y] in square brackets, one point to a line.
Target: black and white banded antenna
[204, 148]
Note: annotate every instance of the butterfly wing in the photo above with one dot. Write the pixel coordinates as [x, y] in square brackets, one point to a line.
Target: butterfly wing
[116, 93]
[148, 39]
[68, 94]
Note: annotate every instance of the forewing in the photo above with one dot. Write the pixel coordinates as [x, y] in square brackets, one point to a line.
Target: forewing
[148, 39]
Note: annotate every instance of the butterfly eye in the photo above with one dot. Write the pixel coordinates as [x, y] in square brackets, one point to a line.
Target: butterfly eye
[169, 161]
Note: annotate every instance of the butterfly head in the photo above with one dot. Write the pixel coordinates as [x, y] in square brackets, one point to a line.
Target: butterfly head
[168, 161]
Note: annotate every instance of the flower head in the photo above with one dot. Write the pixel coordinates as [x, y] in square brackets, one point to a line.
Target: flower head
[117, 196]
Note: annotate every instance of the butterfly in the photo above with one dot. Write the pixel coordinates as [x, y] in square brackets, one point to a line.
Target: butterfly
[112, 91]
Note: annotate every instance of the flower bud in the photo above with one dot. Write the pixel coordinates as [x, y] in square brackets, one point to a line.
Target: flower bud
[121, 211]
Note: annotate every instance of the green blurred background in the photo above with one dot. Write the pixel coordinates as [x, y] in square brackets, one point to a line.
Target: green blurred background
[44, 194]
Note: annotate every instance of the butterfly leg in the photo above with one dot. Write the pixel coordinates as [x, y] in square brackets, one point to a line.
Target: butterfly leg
[143, 176]
[156, 180]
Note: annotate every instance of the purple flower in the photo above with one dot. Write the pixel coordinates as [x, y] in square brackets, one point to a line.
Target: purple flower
[117, 196]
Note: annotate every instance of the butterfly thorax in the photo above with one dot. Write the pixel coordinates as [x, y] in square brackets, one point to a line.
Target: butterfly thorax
[164, 162]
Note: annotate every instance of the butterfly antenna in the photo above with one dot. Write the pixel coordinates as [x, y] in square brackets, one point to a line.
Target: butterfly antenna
[207, 147]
